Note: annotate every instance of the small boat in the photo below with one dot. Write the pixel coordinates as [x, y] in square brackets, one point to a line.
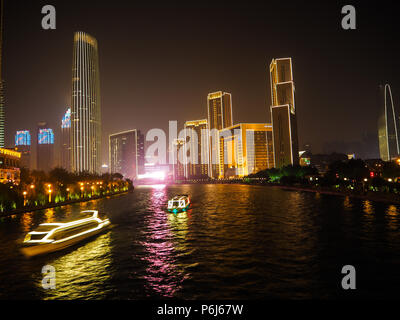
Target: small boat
[50, 237]
[179, 203]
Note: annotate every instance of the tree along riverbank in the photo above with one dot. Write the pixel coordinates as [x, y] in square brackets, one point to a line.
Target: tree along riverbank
[59, 204]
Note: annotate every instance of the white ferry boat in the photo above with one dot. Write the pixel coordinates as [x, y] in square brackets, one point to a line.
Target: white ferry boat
[179, 203]
[50, 237]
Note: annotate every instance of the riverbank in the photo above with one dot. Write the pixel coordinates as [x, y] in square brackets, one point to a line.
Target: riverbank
[372, 196]
[378, 197]
[59, 204]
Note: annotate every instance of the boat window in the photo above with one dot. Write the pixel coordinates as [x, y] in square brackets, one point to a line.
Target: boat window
[37, 236]
[45, 228]
[66, 233]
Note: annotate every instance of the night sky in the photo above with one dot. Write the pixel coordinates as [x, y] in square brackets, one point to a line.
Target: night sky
[158, 62]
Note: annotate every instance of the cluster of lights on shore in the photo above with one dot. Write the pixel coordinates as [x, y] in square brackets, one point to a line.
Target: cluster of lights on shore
[49, 189]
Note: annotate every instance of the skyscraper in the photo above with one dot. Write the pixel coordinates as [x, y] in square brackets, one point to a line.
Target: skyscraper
[198, 165]
[23, 145]
[85, 110]
[389, 147]
[283, 113]
[65, 140]
[45, 147]
[179, 169]
[219, 109]
[2, 98]
[126, 152]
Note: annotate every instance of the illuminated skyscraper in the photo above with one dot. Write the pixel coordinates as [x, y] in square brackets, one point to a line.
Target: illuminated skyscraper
[126, 152]
[85, 110]
[2, 98]
[219, 108]
[45, 147]
[65, 140]
[245, 148]
[283, 113]
[198, 165]
[179, 170]
[23, 145]
[389, 147]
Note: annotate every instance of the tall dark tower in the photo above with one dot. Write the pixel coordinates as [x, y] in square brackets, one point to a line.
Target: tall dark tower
[283, 111]
[2, 98]
[85, 109]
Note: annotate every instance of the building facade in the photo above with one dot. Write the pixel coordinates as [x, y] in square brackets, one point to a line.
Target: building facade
[44, 148]
[2, 83]
[9, 166]
[245, 148]
[179, 168]
[219, 109]
[198, 165]
[66, 140]
[387, 125]
[126, 153]
[283, 113]
[85, 109]
[23, 144]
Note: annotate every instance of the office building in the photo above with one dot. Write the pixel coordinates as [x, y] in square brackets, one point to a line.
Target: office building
[85, 109]
[9, 166]
[2, 83]
[283, 113]
[126, 153]
[245, 148]
[219, 109]
[44, 148]
[23, 145]
[198, 165]
[66, 140]
[179, 170]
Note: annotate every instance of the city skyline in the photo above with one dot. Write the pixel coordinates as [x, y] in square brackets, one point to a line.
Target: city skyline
[251, 101]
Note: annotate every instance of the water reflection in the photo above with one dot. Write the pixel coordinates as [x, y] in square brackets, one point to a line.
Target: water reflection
[83, 272]
[161, 275]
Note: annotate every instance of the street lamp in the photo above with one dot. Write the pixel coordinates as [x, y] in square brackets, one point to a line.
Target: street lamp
[24, 193]
[67, 193]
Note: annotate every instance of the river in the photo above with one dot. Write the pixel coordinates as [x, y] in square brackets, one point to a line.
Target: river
[236, 242]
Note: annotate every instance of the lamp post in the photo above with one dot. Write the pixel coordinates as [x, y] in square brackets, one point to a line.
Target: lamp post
[49, 191]
[24, 193]
[68, 193]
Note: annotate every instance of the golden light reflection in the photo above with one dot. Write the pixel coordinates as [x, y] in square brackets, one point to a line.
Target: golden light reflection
[368, 208]
[49, 214]
[83, 272]
[27, 222]
[347, 203]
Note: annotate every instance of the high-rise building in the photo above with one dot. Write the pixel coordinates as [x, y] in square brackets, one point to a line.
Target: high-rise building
[387, 125]
[126, 153]
[245, 148]
[45, 147]
[65, 140]
[23, 145]
[85, 109]
[219, 108]
[179, 170]
[198, 144]
[283, 113]
[2, 84]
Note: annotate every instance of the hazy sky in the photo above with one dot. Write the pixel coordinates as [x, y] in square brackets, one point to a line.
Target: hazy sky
[158, 62]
